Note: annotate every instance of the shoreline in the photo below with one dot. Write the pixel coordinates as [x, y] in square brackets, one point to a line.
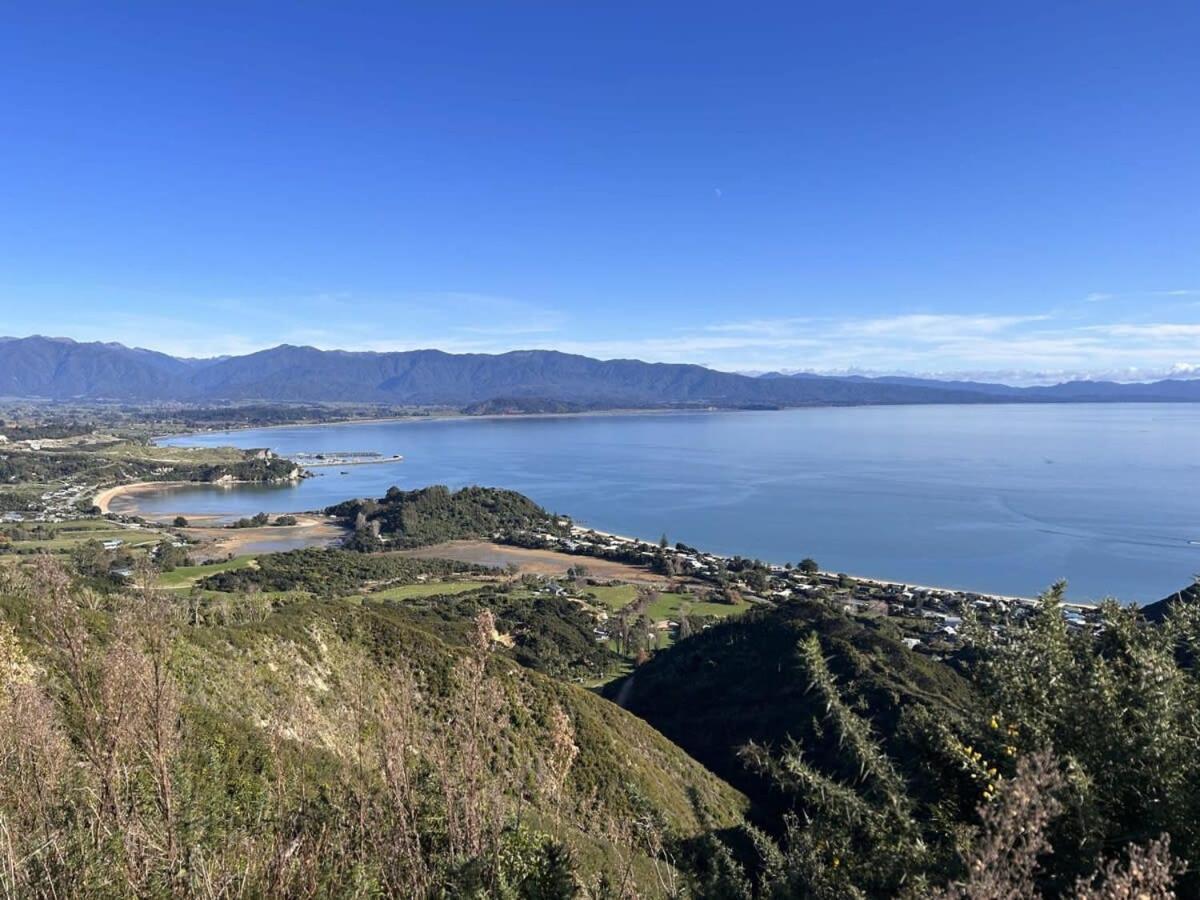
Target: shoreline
[459, 416]
[865, 579]
[104, 499]
[213, 537]
[455, 415]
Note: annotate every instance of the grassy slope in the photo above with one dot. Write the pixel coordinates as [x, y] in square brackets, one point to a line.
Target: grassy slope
[426, 589]
[303, 657]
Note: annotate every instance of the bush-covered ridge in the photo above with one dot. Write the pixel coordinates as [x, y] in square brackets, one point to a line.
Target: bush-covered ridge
[434, 514]
[548, 634]
[741, 681]
[331, 572]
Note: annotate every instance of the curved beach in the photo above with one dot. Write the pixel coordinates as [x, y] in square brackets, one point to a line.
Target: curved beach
[105, 498]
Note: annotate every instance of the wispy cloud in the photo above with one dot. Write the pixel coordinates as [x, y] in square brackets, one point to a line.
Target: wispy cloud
[1043, 347]
[1101, 296]
[932, 328]
[758, 326]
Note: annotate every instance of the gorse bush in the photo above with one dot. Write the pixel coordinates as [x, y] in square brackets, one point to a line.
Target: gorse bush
[1120, 711]
[1077, 776]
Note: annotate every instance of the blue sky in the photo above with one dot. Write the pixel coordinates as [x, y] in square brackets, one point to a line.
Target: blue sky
[1007, 188]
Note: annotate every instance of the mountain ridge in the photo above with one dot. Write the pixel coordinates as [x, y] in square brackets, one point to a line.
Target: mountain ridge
[52, 368]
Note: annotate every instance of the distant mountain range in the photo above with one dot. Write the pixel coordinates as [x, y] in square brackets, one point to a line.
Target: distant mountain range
[527, 380]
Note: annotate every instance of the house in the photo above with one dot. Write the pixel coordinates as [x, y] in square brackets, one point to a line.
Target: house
[113, 544]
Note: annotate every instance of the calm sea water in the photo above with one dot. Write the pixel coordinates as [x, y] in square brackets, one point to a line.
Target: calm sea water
[995, 498]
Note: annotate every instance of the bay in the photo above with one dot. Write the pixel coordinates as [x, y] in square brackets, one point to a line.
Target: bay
[1004, 498]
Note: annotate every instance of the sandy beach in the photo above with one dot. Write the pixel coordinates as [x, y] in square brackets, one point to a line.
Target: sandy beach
[106, 499]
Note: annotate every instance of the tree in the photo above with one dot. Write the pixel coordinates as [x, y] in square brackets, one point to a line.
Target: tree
[757, 580]
[809, 566]
[180, 522]
[169, 557]
[663, 543]
[364, 540]
[665, 564]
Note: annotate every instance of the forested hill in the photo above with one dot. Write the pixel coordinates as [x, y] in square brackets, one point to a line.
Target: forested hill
[742, 681]
[58, 368]
[434, 514]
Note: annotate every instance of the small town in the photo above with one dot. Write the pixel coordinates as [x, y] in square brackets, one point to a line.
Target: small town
[932, 617]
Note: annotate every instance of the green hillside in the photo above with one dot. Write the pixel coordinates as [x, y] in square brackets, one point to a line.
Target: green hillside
[316, 748]
[742, 681]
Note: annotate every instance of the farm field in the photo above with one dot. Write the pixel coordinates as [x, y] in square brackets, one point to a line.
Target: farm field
[186, 576]
[426, 589]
